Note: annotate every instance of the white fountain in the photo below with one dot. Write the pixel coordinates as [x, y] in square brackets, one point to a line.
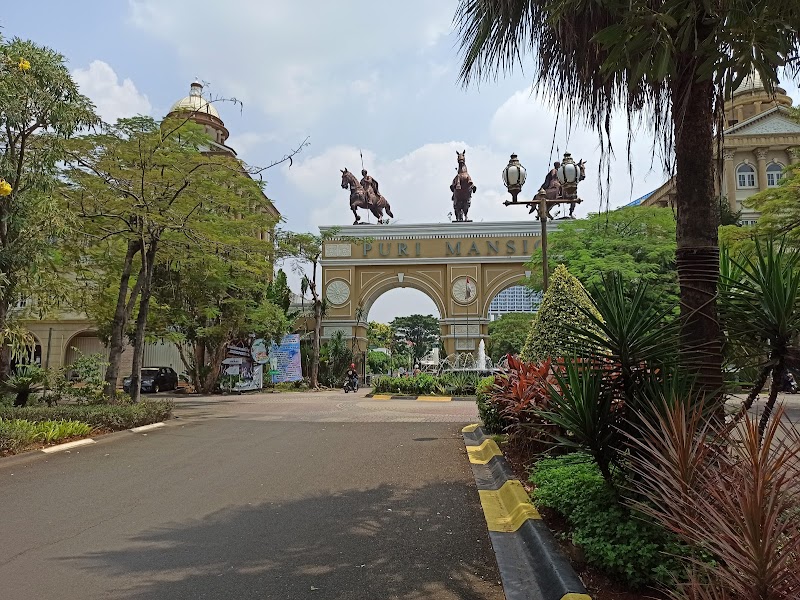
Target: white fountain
[481, 365]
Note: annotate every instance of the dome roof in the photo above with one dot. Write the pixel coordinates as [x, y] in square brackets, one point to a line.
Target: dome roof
[195, 102]
[751, 83]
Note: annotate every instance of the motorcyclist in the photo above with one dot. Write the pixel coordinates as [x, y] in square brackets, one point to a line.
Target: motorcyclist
[352, 375]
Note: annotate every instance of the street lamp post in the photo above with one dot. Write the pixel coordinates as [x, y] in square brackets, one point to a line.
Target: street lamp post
[568, 173]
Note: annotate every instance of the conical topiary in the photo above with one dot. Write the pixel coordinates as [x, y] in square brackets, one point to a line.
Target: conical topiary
[549, 336]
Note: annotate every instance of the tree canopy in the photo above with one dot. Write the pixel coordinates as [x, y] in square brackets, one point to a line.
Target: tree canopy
[507, 334]
[638, 242]
[40, 107]
[668, 64]
[418, 333]
[152, 192]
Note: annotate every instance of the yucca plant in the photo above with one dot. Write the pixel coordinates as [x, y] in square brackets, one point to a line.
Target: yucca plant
[583, 408]
[632, 333]
[760, 311]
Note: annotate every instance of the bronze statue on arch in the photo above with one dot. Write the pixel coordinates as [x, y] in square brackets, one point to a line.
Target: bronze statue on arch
[364, 194]
[462, 188]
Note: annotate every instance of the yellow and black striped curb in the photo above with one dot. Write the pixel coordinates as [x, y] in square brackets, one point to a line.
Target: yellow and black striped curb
[421, 398]
[531, 564]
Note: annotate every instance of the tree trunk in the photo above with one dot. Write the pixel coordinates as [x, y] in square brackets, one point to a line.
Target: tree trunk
[141, 321]
[315, 348]
[116, 343]
[777, 376]
[698, 219]
[217, 356]
[5, 349]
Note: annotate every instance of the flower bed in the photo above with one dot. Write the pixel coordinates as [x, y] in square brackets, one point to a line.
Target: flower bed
[24, 426]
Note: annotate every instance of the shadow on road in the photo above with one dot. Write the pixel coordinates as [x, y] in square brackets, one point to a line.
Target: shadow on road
[428, 542]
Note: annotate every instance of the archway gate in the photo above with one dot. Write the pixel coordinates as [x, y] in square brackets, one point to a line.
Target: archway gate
[460, 266]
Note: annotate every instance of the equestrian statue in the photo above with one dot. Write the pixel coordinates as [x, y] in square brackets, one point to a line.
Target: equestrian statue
[365, 194]
[552, 190]
[462, 188]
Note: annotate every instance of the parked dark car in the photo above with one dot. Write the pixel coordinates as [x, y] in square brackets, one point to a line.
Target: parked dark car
[154, 379]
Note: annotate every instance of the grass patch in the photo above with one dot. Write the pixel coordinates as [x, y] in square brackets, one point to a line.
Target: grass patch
[103, 417]
[18, 434]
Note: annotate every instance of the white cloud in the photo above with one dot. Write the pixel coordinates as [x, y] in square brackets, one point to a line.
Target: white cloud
[113, 99]
[292, 59]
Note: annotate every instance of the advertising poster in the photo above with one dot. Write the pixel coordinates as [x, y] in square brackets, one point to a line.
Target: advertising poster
[284, 360]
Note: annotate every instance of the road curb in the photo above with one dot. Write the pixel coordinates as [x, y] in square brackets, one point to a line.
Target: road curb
[372, 396]
[35, 454]
[531, 564]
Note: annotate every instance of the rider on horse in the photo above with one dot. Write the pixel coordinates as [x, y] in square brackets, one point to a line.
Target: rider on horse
[370, 186]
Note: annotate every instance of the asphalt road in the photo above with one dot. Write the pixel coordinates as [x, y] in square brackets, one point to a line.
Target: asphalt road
[255, 497]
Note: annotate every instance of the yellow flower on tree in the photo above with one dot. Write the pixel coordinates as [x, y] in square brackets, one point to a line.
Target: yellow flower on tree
[24, 65]
[5, 188]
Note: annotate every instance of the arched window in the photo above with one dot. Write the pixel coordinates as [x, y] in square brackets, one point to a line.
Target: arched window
[745, 176]
[774, 173]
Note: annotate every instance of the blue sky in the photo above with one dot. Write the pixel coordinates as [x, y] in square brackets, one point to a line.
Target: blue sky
[350, 75]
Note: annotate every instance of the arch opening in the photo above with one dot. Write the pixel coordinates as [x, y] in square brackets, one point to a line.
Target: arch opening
[510, 313]
[416, 335]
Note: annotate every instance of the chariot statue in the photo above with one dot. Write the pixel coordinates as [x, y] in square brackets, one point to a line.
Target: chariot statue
[462, 188]
[364, 194]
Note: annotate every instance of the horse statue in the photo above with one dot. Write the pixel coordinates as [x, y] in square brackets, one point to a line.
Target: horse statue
[367, 198]
[462, 188]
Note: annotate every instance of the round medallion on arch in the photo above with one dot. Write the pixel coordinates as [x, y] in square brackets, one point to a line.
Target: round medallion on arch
[337, 292]
[465, 291]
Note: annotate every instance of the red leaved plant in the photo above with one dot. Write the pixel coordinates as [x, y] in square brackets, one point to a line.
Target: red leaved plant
[735, 497]
[518, 391]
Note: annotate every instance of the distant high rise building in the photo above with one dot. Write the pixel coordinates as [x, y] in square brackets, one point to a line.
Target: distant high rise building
[517, 298]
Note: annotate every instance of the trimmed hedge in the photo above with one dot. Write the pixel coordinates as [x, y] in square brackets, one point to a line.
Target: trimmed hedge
[100, 416]
[550, 335]
[452, 384]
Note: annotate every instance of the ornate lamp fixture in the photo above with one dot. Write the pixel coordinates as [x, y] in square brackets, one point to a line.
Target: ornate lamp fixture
[514, 177]
[569, 174]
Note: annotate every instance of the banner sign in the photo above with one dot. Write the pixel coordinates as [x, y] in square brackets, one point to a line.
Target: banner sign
[284, 360]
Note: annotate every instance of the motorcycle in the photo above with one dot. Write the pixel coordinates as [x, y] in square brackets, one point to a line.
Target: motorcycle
[351, 385]
[789, 383]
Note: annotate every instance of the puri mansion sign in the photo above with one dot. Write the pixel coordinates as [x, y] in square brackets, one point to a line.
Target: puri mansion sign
[473, 241]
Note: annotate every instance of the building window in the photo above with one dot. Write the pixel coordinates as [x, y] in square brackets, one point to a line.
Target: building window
[745, 176]
[774, 173]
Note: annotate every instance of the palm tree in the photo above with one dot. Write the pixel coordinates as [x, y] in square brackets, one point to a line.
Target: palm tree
[670, 63]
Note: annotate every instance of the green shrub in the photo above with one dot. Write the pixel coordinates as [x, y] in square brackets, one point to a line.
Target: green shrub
[28, 379]
[108, 417]
[420, 385]
[488, 411]
[457, 383]
[613, 538]
[560, 311]
[17, 434]
[90, 369]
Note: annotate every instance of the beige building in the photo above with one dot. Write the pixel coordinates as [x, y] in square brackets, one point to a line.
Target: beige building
[760, 139]
[60, 337]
